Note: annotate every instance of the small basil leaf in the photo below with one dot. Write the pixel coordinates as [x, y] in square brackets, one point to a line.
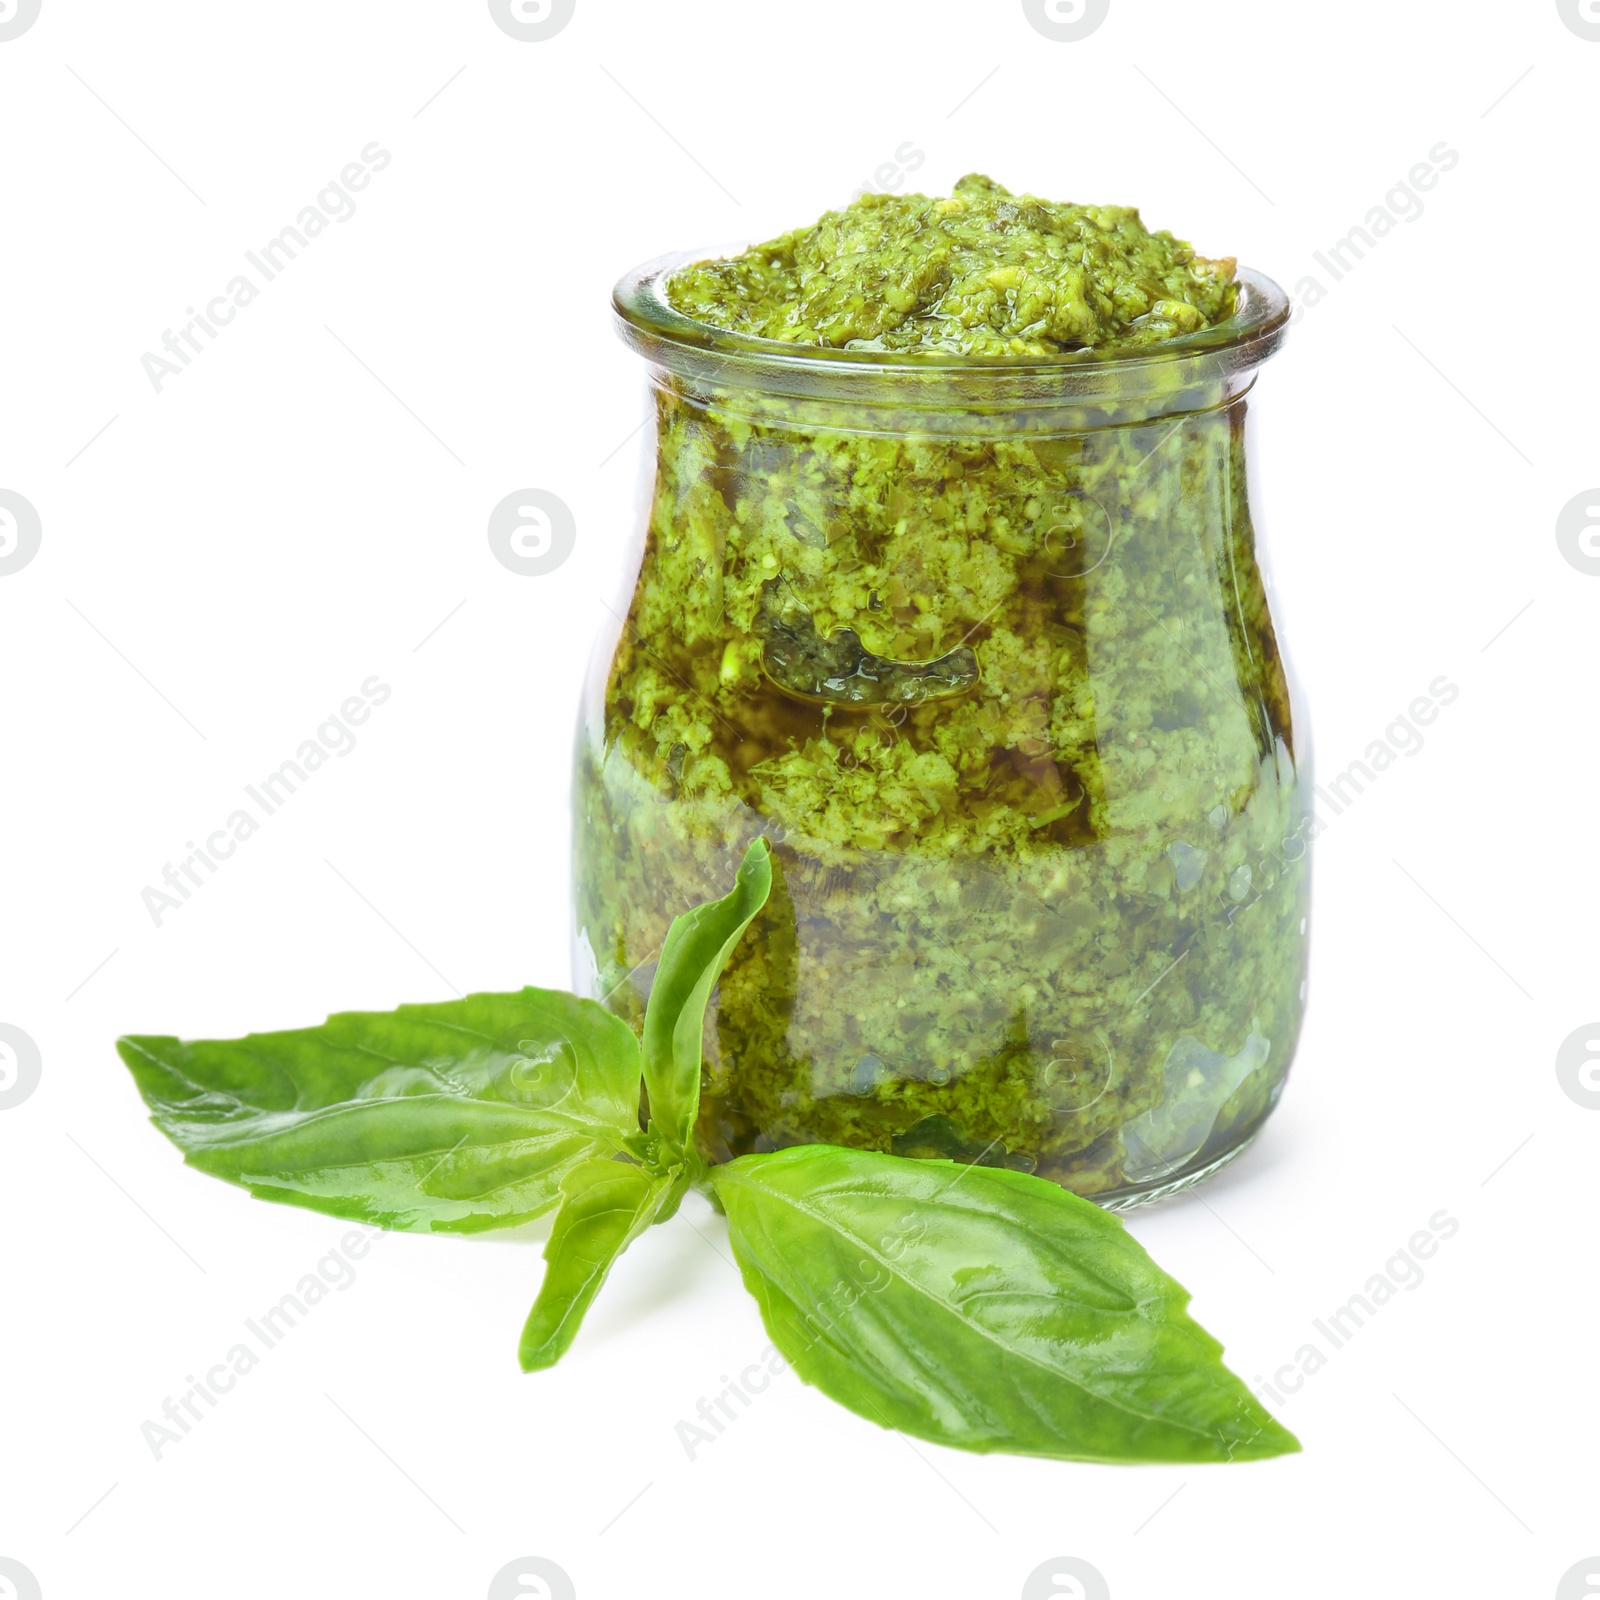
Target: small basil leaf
[605, 1206]
[982, 1308]
[696, 950]
[452, 1117]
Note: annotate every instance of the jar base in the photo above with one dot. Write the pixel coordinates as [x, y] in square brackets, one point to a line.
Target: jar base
[1129, 1199]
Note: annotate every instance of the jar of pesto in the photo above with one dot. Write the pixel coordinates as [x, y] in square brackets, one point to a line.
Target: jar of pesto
[981, 643]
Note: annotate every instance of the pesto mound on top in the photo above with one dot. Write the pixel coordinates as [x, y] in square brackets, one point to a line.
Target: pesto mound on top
[982, 273]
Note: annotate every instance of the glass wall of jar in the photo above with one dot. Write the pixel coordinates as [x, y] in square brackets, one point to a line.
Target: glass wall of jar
[984, 649]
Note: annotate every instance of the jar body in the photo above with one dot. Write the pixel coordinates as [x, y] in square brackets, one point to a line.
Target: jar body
[1003, 690]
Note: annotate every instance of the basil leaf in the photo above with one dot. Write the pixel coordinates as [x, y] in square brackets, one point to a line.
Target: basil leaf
[605, 1206]
[696, 950]
[453, 1117]
[982, 1308]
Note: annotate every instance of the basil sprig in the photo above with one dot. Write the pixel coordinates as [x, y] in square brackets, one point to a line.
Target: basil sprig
[972, 1306]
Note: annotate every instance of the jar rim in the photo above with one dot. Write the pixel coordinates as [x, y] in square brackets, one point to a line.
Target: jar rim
[651, 326]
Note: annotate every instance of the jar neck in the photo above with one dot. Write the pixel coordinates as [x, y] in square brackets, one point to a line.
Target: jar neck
[932, 393]
[956, 409]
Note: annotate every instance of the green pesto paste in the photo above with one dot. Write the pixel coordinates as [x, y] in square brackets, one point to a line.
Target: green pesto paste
[982, 273]
[999, 682]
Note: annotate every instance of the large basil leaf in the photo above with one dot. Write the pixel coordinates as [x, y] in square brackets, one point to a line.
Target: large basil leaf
[452, 1117]
[982, 1308]
[605, 1206]
[697, 948]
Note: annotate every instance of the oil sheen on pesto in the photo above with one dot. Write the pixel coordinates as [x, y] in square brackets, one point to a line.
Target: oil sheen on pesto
[1000, 684]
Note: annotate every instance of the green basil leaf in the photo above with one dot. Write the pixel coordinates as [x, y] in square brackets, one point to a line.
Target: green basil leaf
[982, 1308]
[696, 950]
[453, 1117]
[605, 1206]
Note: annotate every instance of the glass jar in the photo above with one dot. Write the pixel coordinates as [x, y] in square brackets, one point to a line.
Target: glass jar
[983, 647]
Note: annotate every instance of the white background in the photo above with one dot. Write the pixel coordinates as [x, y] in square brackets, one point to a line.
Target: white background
[306, 506]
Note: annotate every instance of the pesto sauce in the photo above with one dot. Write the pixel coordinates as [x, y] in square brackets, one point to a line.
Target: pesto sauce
[980, 273]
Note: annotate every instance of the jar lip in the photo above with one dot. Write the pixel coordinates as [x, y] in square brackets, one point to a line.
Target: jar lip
[650, 325]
